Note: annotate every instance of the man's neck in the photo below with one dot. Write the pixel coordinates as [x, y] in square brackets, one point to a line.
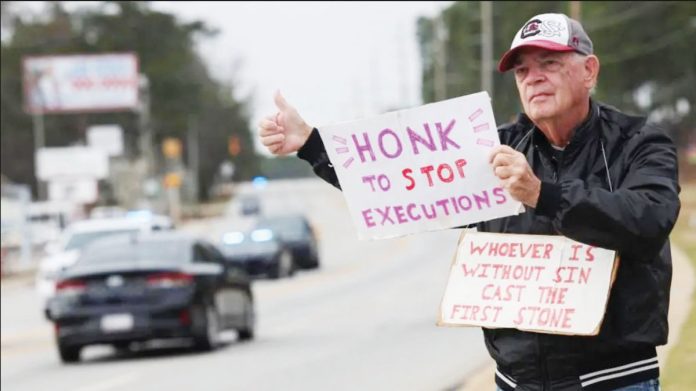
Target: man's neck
[559, 131]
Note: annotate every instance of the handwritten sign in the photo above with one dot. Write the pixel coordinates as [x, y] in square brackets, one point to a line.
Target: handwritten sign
[548, 284]
[421, 169]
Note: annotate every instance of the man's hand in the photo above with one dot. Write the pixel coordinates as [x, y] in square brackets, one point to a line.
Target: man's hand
[515, 175]
[284, 132]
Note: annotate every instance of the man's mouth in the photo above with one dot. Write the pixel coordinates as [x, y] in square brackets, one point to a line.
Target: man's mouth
[540, 95]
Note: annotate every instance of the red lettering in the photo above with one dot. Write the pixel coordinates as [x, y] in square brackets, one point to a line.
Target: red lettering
[509, 293]
[475, 312]
[544, 317]
[567, 274]
[552, 295]
[477, 249]
[568, 313]
[426, 170]
[513, 249]
[407, 174]
[460, 163]
[589, 257]
[547, 253]
[537, 250]
[450, 176]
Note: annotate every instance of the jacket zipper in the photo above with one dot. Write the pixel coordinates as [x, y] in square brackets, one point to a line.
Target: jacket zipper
[542, 364]
[545, 384]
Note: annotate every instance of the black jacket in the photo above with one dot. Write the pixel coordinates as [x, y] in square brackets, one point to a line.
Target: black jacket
[614, 186]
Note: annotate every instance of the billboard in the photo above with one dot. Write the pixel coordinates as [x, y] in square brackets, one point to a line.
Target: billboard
[108, 138]
[80, 83]
[83, 191]
[71, 162]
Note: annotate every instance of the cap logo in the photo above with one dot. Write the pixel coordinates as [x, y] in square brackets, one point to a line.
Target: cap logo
[547, 28]
[531, 28]
[575, 42]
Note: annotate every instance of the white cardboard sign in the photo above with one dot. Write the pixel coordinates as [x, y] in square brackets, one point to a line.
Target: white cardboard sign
[420, 169]
[548, 284]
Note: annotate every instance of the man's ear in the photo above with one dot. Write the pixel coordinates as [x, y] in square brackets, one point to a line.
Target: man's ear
[591, 71]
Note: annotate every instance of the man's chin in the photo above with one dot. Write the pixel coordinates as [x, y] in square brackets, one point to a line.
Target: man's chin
[540, 113]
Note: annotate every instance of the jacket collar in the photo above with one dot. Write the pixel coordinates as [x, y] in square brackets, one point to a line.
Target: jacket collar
[581, 134]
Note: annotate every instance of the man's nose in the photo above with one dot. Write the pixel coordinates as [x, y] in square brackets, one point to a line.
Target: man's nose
[534, 75]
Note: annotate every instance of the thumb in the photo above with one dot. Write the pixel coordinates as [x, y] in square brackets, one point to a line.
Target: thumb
[280, 101]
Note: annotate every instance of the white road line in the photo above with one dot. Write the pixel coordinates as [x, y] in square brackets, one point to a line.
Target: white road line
[111, 384]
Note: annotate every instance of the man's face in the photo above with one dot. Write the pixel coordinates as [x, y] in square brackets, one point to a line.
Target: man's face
[550, 83]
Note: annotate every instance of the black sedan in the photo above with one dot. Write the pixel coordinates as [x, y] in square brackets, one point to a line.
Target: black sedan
[142, 287]
[259, 252]
[297, 234]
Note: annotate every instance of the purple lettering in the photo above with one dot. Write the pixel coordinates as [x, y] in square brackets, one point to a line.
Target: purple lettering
[399, 147]
[444, 138]
[365, 147]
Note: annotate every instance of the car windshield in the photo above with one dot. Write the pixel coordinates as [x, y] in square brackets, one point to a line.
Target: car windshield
[148, 251]
[285, 226]
[249, 243]
[79, 240]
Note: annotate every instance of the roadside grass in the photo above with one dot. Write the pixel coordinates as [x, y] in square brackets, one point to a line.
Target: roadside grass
[680, 371]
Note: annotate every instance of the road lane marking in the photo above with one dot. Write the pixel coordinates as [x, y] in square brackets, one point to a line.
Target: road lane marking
[26, 341]
[28, 334]
[387, 254]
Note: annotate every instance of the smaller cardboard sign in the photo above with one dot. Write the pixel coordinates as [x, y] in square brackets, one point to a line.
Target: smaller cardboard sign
[547, 284]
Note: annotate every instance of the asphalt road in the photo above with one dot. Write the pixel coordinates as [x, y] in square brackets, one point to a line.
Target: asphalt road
[364, 321]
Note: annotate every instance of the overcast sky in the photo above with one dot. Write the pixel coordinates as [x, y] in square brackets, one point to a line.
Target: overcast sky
[334, 61]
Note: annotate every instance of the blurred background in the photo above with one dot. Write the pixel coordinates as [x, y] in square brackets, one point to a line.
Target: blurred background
[138, 119]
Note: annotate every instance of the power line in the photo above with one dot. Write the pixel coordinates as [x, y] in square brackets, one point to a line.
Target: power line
[625, 16]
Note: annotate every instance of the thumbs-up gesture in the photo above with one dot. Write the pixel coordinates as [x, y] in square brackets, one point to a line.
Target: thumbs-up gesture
[284, 132]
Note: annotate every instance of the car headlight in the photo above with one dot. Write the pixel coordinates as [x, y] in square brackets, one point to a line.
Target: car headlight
[233, 238]
[261, 235]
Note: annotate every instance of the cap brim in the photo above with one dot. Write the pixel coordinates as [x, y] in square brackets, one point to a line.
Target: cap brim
[506, 62]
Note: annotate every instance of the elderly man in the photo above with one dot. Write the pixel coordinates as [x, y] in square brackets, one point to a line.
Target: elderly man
[586, 171]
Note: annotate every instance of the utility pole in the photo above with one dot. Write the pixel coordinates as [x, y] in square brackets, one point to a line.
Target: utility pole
[145, 140]
[576, 10]
[37, 119]
[440, 66]
[487, 47]
[192, 153]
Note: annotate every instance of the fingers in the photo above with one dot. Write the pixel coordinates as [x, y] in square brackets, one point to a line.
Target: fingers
[502, 159]
[267, 128]
[506, 172]
[507, 162]
[273, 139]
[280, 101]
[501, 149]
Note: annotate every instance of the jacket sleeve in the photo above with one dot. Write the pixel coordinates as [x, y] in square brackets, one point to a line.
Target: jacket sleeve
[637, 217]
[314, 152]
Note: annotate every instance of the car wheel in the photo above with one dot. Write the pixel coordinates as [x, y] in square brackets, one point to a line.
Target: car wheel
[314, 261]
[247, 332]
[69, 353]
[285, 267]
[47, 313]
[206, 328]
[122, 347]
